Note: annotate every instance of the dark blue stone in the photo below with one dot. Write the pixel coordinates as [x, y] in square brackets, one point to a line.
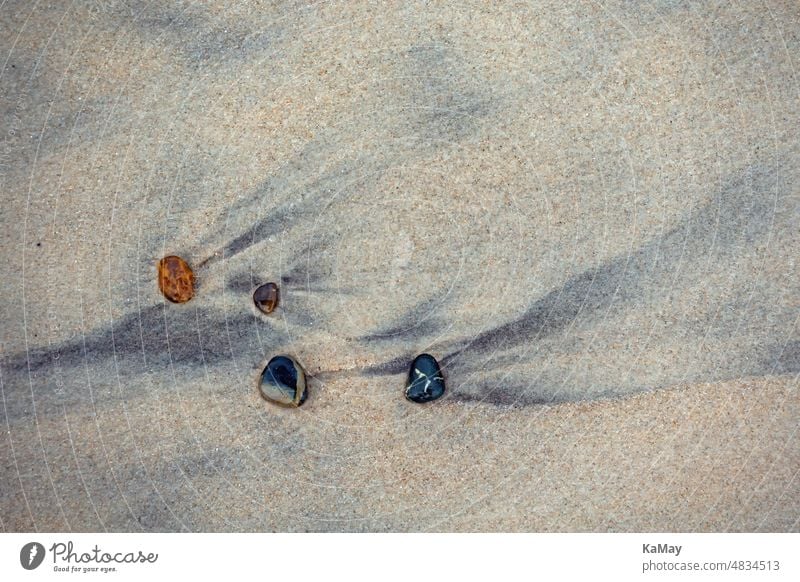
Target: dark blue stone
[425, 381]
[283, 382]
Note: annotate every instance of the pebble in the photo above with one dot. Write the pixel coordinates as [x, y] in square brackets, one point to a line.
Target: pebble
[425, 381]
[175, 279]
[283, 382]
[266, 297]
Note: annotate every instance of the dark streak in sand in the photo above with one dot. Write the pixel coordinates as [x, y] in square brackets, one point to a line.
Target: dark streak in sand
[737, 217]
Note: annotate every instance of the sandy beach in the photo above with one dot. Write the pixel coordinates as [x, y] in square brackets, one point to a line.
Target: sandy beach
[587, 212]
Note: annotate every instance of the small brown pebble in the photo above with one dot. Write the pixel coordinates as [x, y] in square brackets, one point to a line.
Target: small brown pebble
[266, 297]
[175, 279]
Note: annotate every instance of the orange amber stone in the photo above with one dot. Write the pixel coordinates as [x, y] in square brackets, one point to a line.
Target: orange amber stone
[266, 297]
[175, 279]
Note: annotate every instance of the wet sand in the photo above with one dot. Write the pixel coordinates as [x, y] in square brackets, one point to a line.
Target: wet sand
[587, 212]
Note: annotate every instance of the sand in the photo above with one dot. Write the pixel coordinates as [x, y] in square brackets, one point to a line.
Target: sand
[588, 212]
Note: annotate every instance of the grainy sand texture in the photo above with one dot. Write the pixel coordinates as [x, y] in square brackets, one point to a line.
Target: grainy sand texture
[586, 211]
